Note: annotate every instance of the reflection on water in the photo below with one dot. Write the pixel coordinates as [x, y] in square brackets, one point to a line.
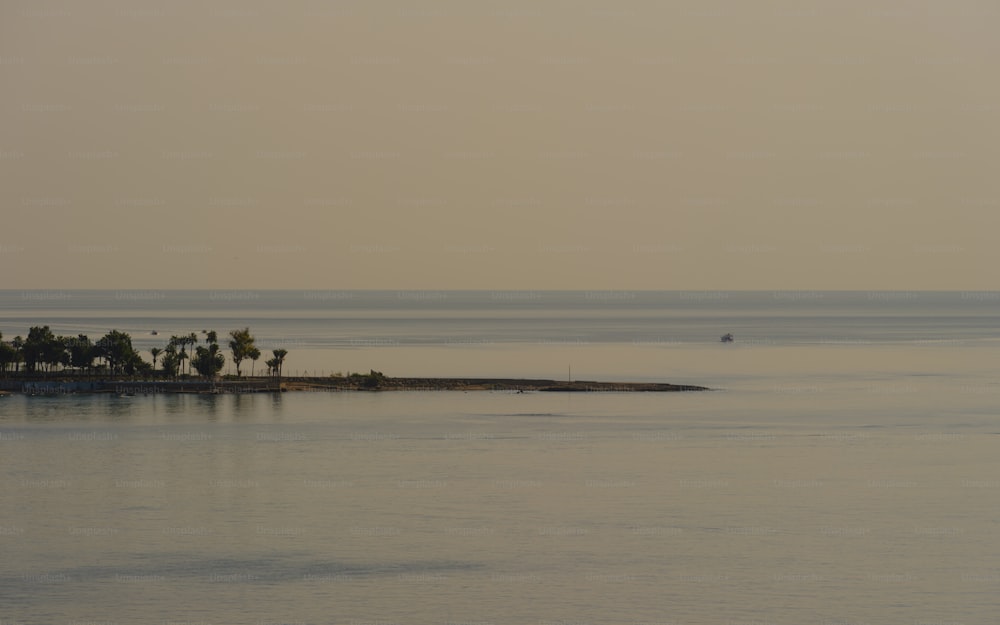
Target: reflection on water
[729, 507]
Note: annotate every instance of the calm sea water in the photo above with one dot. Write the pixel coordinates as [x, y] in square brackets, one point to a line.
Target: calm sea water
[847, 472]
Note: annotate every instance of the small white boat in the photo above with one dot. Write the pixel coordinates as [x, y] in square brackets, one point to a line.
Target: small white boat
[727, 337]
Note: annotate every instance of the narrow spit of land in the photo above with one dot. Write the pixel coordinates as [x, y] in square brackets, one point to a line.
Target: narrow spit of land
[486, 384]
[360, 384]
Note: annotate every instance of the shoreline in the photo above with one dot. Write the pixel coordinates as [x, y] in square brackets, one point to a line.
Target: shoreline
[36, 387]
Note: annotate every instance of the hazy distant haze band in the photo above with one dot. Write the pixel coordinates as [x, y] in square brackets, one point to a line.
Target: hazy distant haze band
[539, 145]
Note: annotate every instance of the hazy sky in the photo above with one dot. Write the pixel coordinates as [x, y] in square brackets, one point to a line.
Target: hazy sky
[848, 144]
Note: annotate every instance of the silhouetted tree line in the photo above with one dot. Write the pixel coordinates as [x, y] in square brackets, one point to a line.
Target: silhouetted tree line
[113, 354]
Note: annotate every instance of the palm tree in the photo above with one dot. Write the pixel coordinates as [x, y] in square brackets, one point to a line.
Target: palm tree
[279, 358]
[173, 345]
[7, 354]
[208, 361]
[253, 354]
[17, 344]
[116, 348]
[170, 360]
[241, 344]
[182, 342]
[156, 351]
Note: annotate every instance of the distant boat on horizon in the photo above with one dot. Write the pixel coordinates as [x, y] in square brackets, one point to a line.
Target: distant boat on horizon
[727, 337]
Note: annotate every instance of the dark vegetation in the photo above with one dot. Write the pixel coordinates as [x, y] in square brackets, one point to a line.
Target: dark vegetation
[44, 354]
